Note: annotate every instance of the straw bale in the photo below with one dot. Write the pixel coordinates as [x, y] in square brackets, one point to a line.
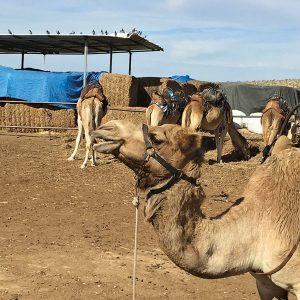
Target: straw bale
[201, 85]
[35, 115]
[119, 89]
[133, 116]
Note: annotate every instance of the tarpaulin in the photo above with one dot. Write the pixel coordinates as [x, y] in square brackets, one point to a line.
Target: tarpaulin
[43, 86]
[252, 98]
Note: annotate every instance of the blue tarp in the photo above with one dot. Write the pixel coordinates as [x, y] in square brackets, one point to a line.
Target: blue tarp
[42, 86]
[181, 78]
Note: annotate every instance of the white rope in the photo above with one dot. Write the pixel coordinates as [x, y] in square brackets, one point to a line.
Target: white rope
[135, 202]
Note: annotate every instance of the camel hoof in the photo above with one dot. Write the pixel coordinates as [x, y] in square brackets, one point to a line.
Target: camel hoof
[83, 166]
[70, 158]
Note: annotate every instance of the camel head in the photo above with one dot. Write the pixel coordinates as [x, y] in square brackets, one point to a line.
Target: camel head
[126, 141]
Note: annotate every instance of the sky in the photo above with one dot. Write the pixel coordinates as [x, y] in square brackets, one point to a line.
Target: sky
[215, 40]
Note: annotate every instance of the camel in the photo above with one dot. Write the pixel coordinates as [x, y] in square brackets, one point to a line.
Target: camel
[255, 235]
[209, 111]
[272, 118]
[91, 108]
[165, 108]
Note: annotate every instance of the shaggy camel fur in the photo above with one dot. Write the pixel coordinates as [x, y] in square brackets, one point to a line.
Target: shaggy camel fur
[272, 118]
[255, 234]
[210, 112]
[165, 109]
[91, 108]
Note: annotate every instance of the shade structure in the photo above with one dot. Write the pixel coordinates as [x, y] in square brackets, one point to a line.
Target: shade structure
[75, 43]
[64, 44]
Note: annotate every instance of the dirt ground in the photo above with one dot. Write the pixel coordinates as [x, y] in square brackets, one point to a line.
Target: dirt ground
[67, 233]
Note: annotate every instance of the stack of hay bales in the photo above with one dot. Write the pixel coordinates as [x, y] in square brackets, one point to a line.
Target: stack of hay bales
[35, 115]
[120, 90]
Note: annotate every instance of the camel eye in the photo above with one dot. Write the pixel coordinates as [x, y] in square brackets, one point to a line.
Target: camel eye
[155, 140]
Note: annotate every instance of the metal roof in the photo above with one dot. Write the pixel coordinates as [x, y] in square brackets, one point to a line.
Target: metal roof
[75, 43]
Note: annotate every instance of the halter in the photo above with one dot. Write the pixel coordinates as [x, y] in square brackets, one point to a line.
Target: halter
[176, 174]
[267, 150]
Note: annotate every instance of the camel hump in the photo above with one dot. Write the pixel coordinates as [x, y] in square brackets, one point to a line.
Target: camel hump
[92, 90]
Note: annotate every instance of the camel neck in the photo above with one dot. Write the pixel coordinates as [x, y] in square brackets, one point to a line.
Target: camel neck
[204, 247]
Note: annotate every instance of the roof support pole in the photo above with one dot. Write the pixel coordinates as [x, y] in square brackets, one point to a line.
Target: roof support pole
[110, 60]
[22, 60]
[129, 67]
[86, 49]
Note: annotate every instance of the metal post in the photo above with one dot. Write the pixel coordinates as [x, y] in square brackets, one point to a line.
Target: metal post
[85, 62]
[22, 61]
[130, 55]
[110, 60]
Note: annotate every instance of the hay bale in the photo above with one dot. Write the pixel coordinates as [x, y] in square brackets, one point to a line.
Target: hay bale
[201, 85]
[35, 115]
[119, 89]
[134, 115]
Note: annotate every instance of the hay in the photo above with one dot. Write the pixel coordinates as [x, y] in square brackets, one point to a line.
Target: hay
[135, 117]
[119, 89]
[201, 85]
[35, 115]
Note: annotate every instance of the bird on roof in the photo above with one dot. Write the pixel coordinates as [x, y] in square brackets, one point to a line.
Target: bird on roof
[145, 36]
[106, 32]
[122, 30]
[48, 32]
[57, 32]
[116, 33]
[93, 32]
[72, 32]
[133, 30]
[101, 31]
[30, 31]
[9, 31]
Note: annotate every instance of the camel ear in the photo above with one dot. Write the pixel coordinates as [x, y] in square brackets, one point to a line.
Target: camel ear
[189, 142]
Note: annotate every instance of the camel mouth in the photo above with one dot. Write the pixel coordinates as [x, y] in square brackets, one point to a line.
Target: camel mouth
[107, 147]
[107, 142]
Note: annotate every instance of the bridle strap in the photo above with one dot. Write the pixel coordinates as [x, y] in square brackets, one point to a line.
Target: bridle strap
[176, 174]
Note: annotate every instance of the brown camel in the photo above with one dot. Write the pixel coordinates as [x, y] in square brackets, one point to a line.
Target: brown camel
[272, 118]
[91, 108]
[165, 108]
[256, 234]
[209, 111]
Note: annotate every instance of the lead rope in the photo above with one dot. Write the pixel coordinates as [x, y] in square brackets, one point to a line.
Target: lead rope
[135, 203]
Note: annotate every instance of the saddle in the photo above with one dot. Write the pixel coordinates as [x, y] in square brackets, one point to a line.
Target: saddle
[214, 97]
[169, 102]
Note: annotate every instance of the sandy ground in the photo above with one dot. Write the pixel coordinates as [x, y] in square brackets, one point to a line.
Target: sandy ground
[67, 233]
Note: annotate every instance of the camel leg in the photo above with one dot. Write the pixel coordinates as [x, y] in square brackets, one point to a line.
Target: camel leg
[78, 138]
[218, 145]
[220, 133]
[88, 143]
[269, 291]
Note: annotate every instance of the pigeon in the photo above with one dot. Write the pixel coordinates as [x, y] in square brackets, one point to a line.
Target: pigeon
[102, 31]
[122, 30]
[115, 33]
[30, 31]
[93, 32]
[9, 31]
[106, 32]
[57, 32]
[72, 32]
[48, 32]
